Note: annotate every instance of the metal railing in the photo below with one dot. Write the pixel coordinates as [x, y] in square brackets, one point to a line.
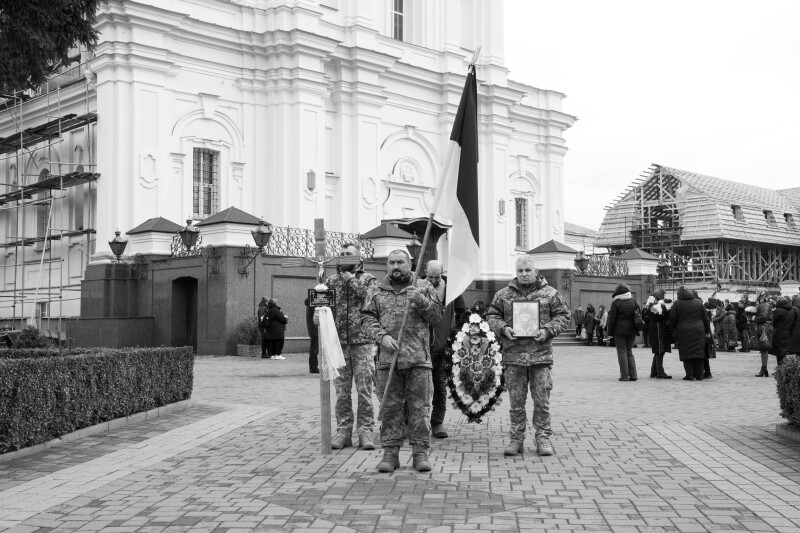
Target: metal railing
[605, 265]
[290, 242]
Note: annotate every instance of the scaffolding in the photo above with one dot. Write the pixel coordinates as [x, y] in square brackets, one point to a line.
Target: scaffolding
[46, 193]
[711, 231]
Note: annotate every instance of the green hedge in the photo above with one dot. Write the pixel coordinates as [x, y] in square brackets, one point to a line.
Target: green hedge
[43, 396]
[787, 376]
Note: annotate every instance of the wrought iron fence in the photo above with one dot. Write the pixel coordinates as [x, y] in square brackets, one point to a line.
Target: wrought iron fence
[290, 242]
[604, 265]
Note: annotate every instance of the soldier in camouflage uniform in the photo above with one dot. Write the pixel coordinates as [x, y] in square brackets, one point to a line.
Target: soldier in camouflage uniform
[351, 284]
[411, 382]
[528, 361]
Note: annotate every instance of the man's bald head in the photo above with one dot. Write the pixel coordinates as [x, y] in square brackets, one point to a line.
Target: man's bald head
[434, 271]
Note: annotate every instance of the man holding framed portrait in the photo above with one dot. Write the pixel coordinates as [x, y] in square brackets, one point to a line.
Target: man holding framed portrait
[528, 314]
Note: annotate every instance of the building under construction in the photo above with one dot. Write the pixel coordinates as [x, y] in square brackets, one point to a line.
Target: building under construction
[715, 233]
[47, 198]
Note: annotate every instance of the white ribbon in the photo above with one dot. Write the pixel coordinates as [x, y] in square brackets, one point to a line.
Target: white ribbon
[330, 350]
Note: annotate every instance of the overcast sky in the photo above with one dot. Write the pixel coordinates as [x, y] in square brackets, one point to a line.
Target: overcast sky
[709, 86]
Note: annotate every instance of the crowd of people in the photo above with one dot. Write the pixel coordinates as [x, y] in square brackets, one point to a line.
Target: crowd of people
[393, 332]
[769, 325]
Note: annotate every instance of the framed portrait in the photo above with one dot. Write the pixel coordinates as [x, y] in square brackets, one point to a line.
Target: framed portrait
[525, 319]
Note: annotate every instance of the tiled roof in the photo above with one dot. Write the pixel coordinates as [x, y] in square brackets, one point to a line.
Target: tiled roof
[387, 229]
[552, 246]
[231, 215]
[705, 209]
[156, 225]
[636, 253]
[578, 230]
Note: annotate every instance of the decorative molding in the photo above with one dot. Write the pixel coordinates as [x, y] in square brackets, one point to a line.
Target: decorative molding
[177, 166]
[209, 104]
[369, 191]
[407, 170]
[148, 168]
[237, 171]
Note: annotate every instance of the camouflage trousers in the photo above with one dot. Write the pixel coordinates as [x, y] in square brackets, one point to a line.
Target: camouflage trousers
[540, 381]
[359, 367]
[414, 387]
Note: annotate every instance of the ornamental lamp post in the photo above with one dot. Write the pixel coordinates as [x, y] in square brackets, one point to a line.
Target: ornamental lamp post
[189, 235]
[117, 245]
[262, 235]
[581, 262]
[414, 249]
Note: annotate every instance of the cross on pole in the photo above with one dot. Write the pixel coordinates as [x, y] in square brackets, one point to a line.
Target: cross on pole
[321, 261]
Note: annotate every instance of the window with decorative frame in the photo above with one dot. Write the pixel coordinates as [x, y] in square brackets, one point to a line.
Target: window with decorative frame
[205, 183]
[521, 219]
[397, 19]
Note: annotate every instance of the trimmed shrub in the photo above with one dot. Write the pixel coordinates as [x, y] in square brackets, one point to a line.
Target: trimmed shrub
[246, 332]
[43, 396]
[31, 337]
[787, 378]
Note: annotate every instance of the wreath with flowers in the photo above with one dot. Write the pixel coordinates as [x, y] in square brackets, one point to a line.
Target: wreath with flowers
[475, 378]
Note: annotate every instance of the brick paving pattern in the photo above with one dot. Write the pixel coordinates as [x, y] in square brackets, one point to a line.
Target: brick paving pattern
[652, 455]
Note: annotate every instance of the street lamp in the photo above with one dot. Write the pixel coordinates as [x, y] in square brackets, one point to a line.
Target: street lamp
[414, 249]
[189, 235]
[261, 236]
[581, 262]
[118, 245]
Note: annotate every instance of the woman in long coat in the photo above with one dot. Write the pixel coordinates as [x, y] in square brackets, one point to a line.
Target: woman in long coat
[622, 329]
[794, 329]
[601, 319]
[763, 325]
[782, 318]
[690, 325]
[655, 315]
[276, 331]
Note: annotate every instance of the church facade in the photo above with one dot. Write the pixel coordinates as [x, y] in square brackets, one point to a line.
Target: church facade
[289, 110]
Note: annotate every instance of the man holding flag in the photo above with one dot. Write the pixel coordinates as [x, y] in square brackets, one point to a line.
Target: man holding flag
[457, 200]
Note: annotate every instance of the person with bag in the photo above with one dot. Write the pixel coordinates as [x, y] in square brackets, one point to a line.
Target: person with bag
[588, 324]
[782, 318]
[764, 330]
[690, 324]
[622, 320]
[793, 346]
[729, 331]
[656, 312]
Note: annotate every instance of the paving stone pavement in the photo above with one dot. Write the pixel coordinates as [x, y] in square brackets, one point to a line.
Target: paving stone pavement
[652, 455]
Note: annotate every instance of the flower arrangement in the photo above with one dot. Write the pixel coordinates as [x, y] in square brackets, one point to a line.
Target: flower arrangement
[476, 377]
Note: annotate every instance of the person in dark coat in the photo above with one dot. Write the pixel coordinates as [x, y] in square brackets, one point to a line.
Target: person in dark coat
[313, 333]
[622, 329]
[793, 346]
[742, 324]
[782, 318]
[689, 322]
[763, 326]
[729, 331]
[588, 324]
[276, 331]
[600, 320]
[655, 315]
[262, 329]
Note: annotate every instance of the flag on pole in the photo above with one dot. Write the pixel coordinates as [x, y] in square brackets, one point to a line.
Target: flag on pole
[457, 197]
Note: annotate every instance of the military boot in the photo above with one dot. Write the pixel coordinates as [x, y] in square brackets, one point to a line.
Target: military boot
[544, 446]
[340, 441]
[514, 447]
[365, 441]
[421, 463]
[390, 461]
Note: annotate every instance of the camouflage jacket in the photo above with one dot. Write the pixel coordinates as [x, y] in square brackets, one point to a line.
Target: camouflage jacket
[554, 317]
[383, 314]
[350, 298]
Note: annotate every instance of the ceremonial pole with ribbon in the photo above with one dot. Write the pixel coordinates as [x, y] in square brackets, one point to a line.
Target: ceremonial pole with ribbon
[457, 200]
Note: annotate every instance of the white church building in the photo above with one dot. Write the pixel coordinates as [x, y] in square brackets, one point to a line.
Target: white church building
[289, 110]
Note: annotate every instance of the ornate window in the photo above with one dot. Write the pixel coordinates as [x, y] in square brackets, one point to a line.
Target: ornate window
[205, 173]
[521, 216]
[397, 19]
